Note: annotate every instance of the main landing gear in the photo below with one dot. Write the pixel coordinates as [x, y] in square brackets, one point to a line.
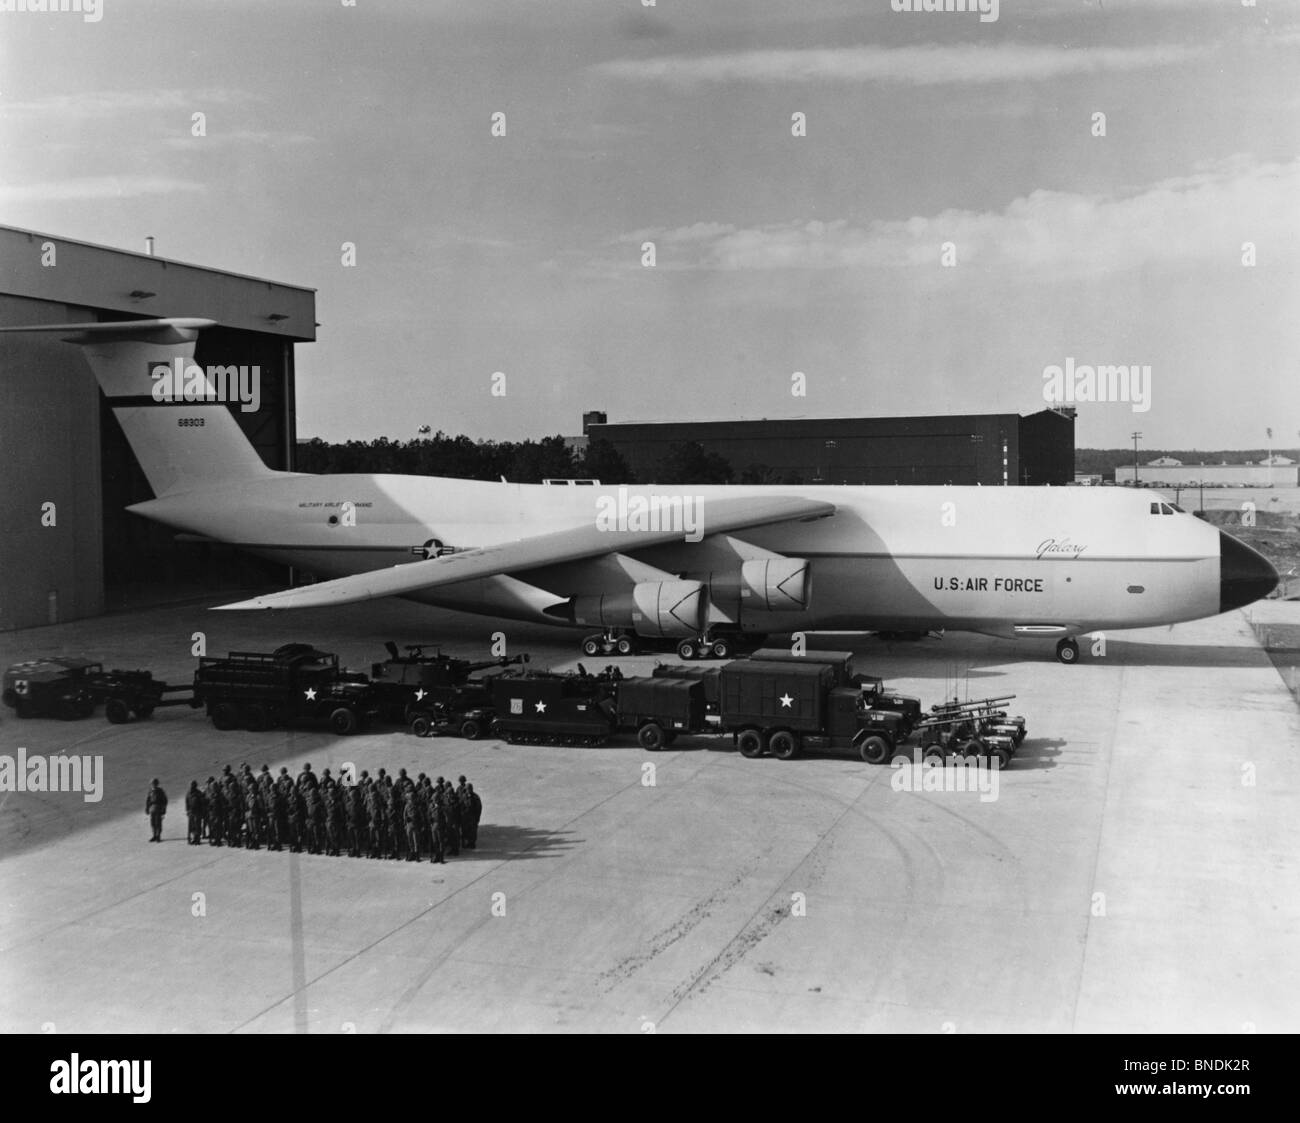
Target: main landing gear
[609, 643]
[1067, 650]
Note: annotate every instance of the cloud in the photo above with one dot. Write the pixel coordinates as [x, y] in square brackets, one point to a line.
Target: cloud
[916, 66]
[1201, 216]
[94, 104]
[219, 136]
[96, 187]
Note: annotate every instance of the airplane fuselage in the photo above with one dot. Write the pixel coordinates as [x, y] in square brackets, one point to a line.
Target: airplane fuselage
[1004, 561]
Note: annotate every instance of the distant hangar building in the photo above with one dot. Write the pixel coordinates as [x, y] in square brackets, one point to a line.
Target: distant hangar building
[992, 449]
[60, 443]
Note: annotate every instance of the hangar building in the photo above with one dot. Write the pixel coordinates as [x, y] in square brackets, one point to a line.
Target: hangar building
[992, 449]
[60, 444]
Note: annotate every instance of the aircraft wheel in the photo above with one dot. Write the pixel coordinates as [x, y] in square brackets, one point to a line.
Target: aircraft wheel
[591, 646]
[470, 729]
[117, 711]
[1067, 650]
[651, 736]
[783, 745]
[874, 750]
[721, 649]
[624, 645]
[225, 716]
[686, 649]
[750, 743]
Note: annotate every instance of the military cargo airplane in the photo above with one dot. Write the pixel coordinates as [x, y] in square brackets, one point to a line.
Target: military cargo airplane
[658, 561]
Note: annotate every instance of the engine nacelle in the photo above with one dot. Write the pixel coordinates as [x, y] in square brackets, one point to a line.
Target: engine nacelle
[774, 585]
[652, 608]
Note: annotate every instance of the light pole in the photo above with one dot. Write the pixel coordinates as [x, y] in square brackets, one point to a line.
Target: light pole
[1135, 458]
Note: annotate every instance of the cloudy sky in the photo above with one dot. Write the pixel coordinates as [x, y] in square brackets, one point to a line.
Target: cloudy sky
[672, 123]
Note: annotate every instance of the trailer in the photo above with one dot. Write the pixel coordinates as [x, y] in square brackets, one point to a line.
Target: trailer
[295, 684]
[128, 694]
[660, 708]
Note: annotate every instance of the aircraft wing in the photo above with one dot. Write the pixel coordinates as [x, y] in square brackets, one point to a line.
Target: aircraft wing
[717, 516]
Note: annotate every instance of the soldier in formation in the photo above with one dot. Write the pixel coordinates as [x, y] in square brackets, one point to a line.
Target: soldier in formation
[382, 817]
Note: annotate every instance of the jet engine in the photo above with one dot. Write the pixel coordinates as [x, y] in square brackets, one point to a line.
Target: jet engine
[774, 585]
[652, 608]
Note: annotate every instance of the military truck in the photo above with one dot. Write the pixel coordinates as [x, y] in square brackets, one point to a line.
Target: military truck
[783, 707]
[293, 685]
[876, 694]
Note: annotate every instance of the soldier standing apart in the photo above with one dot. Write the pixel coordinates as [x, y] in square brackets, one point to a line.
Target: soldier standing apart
[155, 806]
[194, 810]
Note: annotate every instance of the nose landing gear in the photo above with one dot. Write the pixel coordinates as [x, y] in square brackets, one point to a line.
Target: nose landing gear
[1067, 650]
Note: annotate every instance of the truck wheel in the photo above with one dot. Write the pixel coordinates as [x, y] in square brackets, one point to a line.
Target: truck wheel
[972, 749]
[225, 716]
[933, 755]
[721, 649]
[874, 750]
[421, 726]
[343, 721]
[117, 711]
[783, 745]
[750, 743]
[470, 729]
[255, 719]
[495, 730]
[591, 646]
[69, 709]
[1002, 756]
[624, 645]
[651, 736]
[686, 649]
[23, 708]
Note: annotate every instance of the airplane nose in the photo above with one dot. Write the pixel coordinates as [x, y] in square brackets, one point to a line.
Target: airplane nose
[1244, 575]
